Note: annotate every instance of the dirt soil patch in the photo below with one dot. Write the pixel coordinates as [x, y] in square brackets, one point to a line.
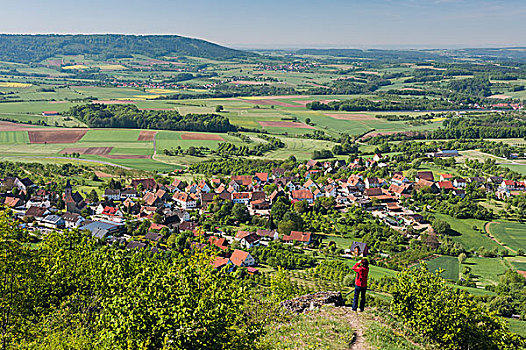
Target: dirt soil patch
[353, 116]
[247, 82]
[146, 135]
[500, 97]
[102, 174]
[127, 156]
[199, 136]
[56, 136]
[8, 126]
[278, 124]
[99, 151]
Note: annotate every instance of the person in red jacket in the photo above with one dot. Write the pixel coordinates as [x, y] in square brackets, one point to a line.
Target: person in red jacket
[362, 270]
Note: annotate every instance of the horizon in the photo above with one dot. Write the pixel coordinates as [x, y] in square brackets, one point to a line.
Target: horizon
[289, 24]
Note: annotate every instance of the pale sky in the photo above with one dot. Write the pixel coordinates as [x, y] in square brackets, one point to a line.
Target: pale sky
[285, 23]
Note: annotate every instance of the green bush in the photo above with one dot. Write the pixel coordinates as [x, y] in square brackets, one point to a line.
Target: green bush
[449, 317]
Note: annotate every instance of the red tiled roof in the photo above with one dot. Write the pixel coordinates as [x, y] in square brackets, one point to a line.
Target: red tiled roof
[238, 257]
[298, 236]
[302, 194]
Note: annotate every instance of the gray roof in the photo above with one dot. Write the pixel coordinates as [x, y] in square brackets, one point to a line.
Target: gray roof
[99, 225]
[52, 219]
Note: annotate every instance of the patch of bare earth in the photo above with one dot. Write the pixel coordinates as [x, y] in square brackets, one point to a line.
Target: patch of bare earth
[145, 135]
[100, 151]
[352, 116]
[199, 136]
[55, 136]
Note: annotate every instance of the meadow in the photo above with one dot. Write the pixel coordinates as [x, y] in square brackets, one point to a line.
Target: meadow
[512, 234]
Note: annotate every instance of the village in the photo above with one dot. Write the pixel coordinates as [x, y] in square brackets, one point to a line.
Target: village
[176, 207]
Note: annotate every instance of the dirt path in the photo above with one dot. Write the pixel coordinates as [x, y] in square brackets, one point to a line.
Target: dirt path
[356, 323]
[486, 228]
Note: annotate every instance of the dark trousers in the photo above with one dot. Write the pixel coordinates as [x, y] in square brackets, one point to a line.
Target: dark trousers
[359, 292]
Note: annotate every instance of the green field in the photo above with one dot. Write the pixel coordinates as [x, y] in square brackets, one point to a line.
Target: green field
[512, 234]
[14, 137]
[486, 271]
[447, 263]
[466, 235]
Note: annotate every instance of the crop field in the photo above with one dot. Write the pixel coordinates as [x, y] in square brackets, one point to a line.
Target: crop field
[518, 262]
[512, 234]
[13, 137]
[486, 271]
[464, 233]
[447, 263]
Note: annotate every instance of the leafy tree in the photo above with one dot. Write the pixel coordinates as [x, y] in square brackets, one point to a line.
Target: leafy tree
[451, 318]
[240, 212]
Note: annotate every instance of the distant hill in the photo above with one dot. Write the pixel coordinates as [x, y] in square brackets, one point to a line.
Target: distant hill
[371, 54]
[36, 48]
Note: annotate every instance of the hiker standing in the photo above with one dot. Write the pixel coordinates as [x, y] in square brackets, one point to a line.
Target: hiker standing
[362, 270]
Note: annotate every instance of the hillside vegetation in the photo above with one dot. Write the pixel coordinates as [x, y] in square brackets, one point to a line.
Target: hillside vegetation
[36, 48]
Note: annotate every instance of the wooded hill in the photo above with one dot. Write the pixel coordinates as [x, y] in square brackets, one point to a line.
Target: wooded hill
[36, 48]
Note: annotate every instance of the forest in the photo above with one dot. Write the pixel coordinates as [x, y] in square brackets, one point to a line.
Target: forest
[126, 116]
[36, 48]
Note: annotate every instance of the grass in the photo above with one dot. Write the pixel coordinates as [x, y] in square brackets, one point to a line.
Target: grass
[517, 262]
[517, 326]
[447, 263]
[463, 232]
[326, 328]
[486, 271]
[511, 234]
[14, 137]
[112, 135]
[383, 337]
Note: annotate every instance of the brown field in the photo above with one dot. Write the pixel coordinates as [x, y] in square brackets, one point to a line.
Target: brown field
[101, 174]
[199, 136]
[99, 151]
[55, 136]
[353, 116]
[285, 125]
[112, 102]
[146, 135]
[8, 126]
[127, 156]
[500, 97]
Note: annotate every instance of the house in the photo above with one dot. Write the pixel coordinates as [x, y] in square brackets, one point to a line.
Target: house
[261, 177]
[185, 200]
[221, 262]
[152, 200]
[260, 204]
[203, 186]
[13, 202]
[249, 241]
[401, 190]
[112, 194]
[128, 193]
[241, 258]
[310, 185]
[135, 245]
[446, 177]
[377, 157]
[72, 220]
[495, 179]
[508, 185]
[459, 192]
[444, 186]
[112, 213]
[106, 227]
[153, 236]
[425, 175]
[147, 184]
[37, 213]
[359, 249]
[24, 184]
[302, 195]
[242, 180]
[221, 243]
[399, 179]
[130, 206]
[53, 221]
[241, 234]
[50, 113]
[268, 234]
[36, 201]
[374, 182]
[207, 198]
[460, 182]
[312, 164]
[297, 236]
[241, 197]
[443, 153]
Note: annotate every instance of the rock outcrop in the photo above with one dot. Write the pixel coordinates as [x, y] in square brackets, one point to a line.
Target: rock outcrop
[310, 302]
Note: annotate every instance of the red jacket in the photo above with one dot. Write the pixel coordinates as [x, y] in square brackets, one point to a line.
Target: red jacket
[361, 275]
